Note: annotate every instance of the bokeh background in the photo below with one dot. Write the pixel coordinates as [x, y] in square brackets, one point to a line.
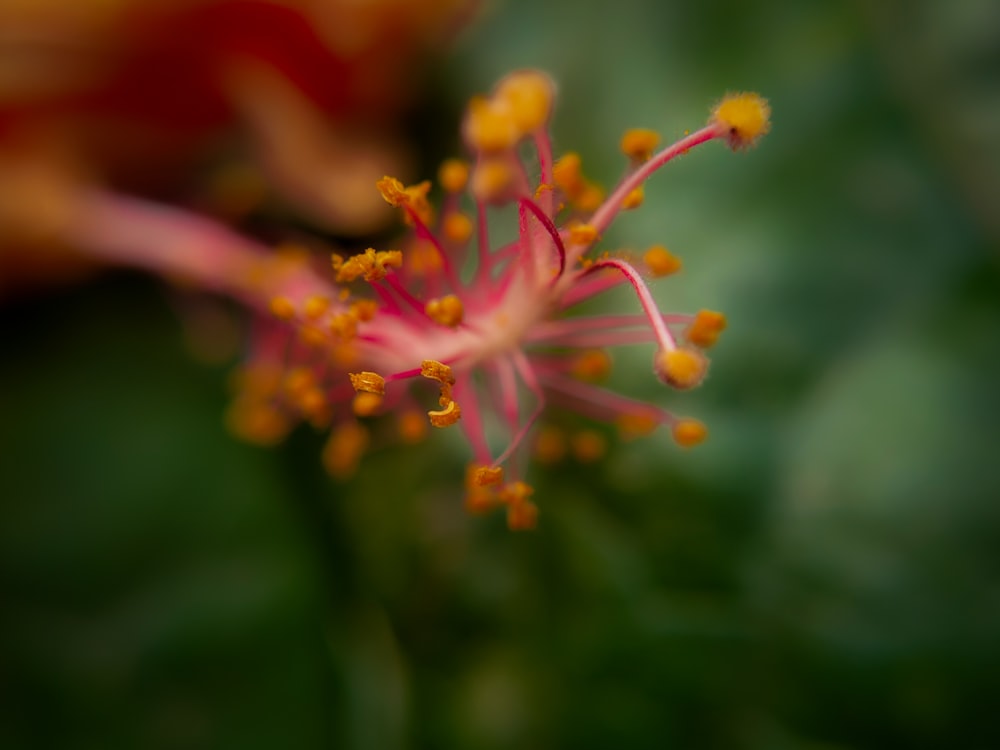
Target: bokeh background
[823, 573]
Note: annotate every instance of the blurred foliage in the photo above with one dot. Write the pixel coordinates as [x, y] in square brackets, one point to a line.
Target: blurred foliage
[822, 574]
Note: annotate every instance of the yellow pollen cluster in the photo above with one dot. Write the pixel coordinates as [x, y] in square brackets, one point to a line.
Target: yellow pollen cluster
[681, 368]
[453, 174]
[638, 144]
[254, 414]
[413, 198]
[282, 308]
[661, 262]
[457, 227]
[422, 258]
[689, 432]
[742, 118]
[450, 412]
[346, 445]
[583, 194]
[368, 382]
[634, 199]
[705, 329]
[446, 311]
[520, 105]
[371, 264]
[635, 425]
[593, 365]
[582, 234]
[492, 180]
[485, 491]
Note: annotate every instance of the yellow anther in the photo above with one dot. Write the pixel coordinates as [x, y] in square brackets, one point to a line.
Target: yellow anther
[282, 308]
[412, 426]
[490, 126]
[422, 258]
[593, 365]
[297, 381]
[363, 310]
[550, 445]
[366, 403]
[491, 180]
[582, 234]
[457, 227]
[484, 476]
[431, 368]
[636, 424]
[528, 95]
[313, 336]
[661, 262]
[447, 416]
[367, 382]
[705, 328]
[315, 306]
[312, 403]
[413, 197]
[453, 175]
[371, 264]
[689, 432]
[344, 326]
[588, 446]
[568, 173]
[681, 368]
[445, 311]
[634, 199]
[257, 422]
[638, 144]
[742, 119]
[343, 450]
[522, 516]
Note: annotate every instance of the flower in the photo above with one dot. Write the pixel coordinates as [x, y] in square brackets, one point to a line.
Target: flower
[482, 333]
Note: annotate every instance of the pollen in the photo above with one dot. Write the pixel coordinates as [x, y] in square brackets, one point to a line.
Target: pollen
[422, 258]
[491, 180]
[315, 306]
[484, 476]
[550, 445]
[583, 234]
[366, 403]
[705, 329]
[528, 94]
[636, 424]
[371, 265]
[689, 432]
[363, 310]
[742, 119]
[447, 416]
[588, 446]
[490, 126]
[522, 514]
[638, 144]
[368, 382]
[681, 368]
[282, 308]
[413, 198]
[593, 365]
[634, 199]
[446, 311]
[431, 368]
[453, 175]
[661, 262]
[412, 426]
[346, 445]
[457, 227]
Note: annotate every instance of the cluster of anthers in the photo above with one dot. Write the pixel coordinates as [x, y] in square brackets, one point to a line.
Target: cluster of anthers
[487, 325]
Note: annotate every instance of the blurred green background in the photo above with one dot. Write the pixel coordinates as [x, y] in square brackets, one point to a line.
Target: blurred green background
[824, 573]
